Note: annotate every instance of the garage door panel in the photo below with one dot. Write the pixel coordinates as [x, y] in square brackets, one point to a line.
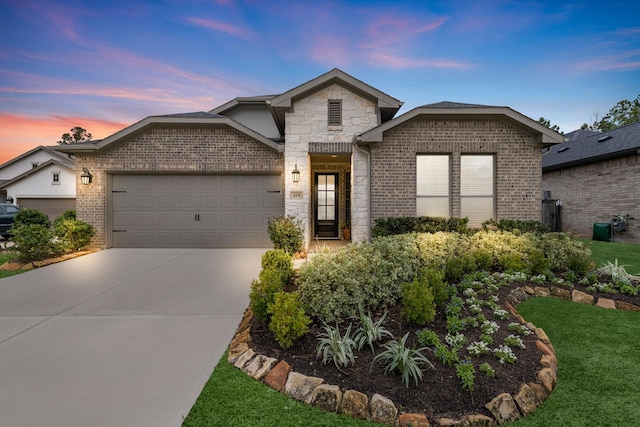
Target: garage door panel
[194, 211]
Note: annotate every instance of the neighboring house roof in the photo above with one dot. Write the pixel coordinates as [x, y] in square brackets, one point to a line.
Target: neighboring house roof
[448, 109]
[48, 150]
[622, 141]
[194, 118]
[37, 169]
[242, 100]
[579, 134]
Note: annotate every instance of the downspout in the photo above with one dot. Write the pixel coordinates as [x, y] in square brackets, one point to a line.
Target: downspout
[367, 152]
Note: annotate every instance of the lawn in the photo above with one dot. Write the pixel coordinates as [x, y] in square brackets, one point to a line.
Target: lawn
[627, 254]
[4, 258]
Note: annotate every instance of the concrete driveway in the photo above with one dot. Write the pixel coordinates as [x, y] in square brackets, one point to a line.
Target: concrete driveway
[121, 337]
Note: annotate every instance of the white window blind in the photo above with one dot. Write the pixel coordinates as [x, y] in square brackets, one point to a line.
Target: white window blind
[432, 185]
[477, 201]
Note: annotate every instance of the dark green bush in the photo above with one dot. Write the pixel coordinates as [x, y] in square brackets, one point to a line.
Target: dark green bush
[73, 234]
[33, 242]
[403, 225]
[418, 305]
[280, 260]
[288, 320]
[517, 226]
[70, 214]
[286, 233]
[263, 292]
[31, 216]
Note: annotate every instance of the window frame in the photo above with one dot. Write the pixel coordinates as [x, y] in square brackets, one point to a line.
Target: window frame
[445, 158]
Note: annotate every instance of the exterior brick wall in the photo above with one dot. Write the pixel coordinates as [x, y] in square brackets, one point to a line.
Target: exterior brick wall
[593, 192]
[198, 150]
[517, 165]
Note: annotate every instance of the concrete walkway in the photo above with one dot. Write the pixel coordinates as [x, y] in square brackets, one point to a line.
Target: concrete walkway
[121, 337]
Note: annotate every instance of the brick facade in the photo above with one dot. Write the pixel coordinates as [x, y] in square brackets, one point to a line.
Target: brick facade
[176, 149]
[517, 165]
[593, 192]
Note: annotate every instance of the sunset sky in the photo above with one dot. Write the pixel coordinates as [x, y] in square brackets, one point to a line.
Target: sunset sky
[105, 65]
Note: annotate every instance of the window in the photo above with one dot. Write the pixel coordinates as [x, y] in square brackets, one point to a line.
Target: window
[335, 112]
[432, 186]
[55, 178]
[477, 188]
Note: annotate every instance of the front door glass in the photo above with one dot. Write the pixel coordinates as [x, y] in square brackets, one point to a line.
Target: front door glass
[326, 205]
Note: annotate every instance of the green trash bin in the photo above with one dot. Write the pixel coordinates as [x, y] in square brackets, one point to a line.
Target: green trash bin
[602, 231]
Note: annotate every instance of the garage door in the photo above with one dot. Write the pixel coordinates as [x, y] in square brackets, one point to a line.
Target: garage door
[193, 211]
[53, 208]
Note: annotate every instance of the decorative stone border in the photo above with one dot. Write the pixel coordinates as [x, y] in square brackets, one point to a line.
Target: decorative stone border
[504, 407]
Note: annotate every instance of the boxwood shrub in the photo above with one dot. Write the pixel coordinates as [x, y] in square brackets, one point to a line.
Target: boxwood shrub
[390, 226]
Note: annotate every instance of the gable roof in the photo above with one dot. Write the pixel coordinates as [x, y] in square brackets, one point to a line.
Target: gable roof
[242, 100]
[198, 118]
[622, 141]
[448, 109]
[387, 104]
[37, 169]
[53, 153]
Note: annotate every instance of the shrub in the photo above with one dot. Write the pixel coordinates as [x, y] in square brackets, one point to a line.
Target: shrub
[333, 285]
[517, 226]
[564, 253]
[288, 320]
[403, 225]
[370, 332]
[335, 347]
[286, 233]
[31, 216]
[70, 214]
[417, 302]
[72, 234]
[280, 260]
[397, 356]
[466, 373]
[33, 242]
[263, 292]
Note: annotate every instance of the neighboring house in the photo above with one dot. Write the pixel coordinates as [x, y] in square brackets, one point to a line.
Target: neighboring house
[42, 179]
[595, 176]
[212, 179]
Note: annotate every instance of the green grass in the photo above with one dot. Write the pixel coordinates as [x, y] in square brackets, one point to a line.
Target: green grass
[598, 354]
[627, 254]
[232, 398]
[4, 258]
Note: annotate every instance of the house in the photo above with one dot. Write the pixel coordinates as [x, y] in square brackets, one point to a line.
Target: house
[596, 175]
[328, 151]
[41, 178]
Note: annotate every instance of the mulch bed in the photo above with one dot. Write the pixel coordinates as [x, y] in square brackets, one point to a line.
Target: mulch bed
[440, 393]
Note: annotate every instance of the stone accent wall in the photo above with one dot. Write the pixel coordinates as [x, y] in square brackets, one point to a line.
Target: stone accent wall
[517, 167]
[593, 192]
[199, 150]
[306, 123]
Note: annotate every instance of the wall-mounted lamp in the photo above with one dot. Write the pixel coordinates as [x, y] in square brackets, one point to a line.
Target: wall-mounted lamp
[295, 175]
[10, 199]
[85, 178]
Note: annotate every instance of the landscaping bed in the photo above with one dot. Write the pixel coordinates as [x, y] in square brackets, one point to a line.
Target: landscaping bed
[476, 345]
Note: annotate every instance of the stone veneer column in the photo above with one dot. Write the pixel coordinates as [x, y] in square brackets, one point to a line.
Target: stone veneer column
[298, 154]
[360, 196]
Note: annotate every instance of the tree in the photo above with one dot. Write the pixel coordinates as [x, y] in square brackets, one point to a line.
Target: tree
[76, 135]
[547, 123]
[623, 113]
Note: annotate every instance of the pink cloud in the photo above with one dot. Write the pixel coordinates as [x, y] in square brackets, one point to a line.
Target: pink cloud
[223, 27]
[624, 61]
[394, 61]
[20, 133]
